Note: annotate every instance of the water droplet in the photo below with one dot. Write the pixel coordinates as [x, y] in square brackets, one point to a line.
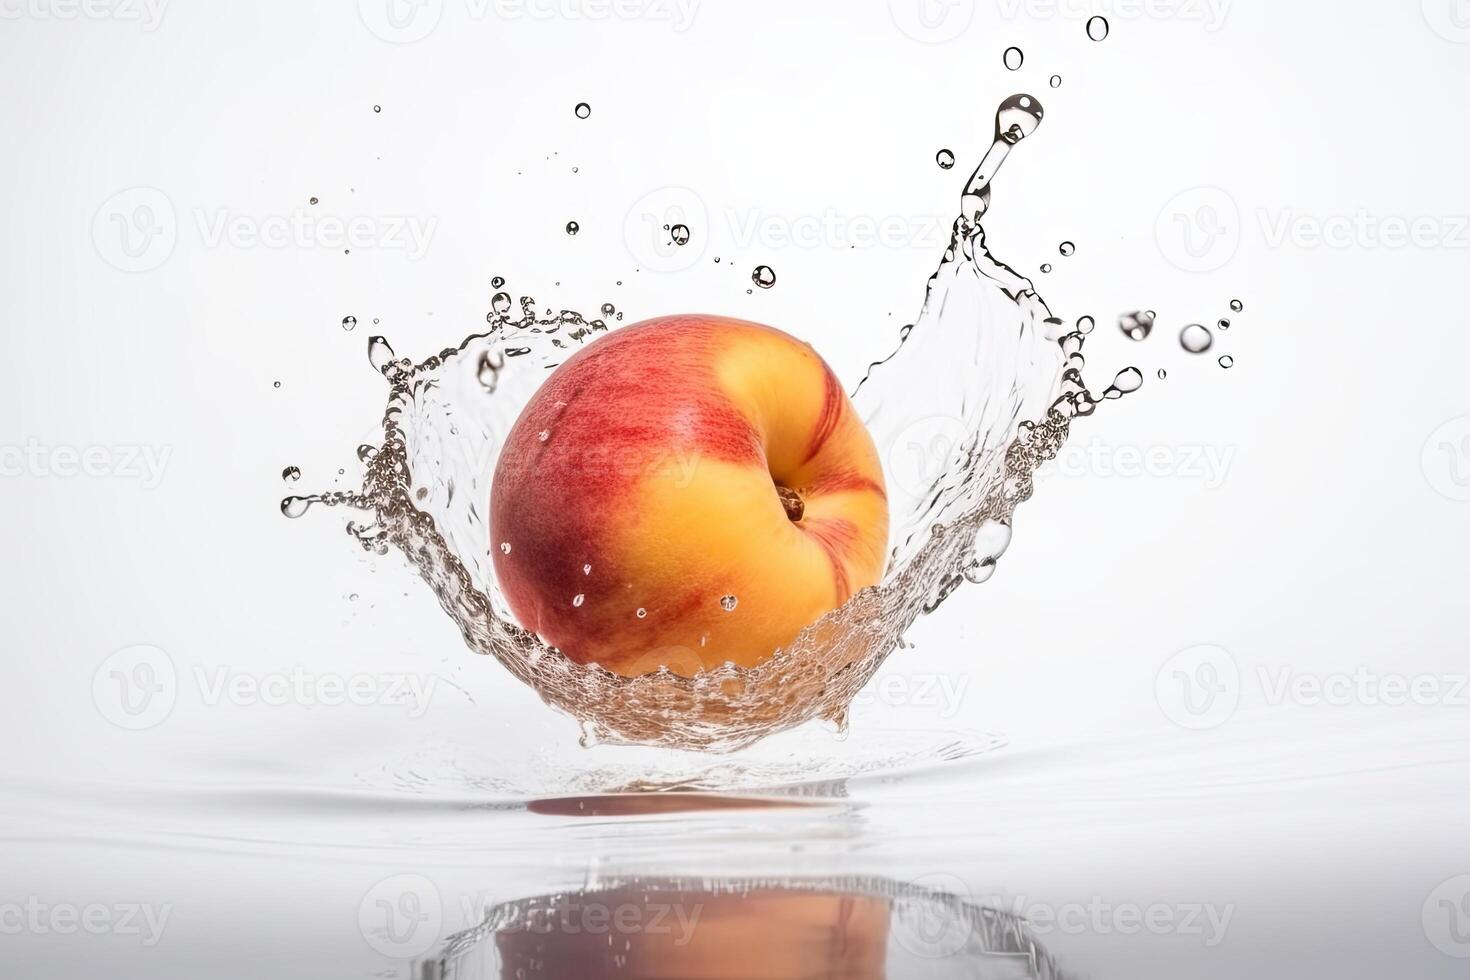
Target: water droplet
[380, 355]
[945, 159]
[573, 227]
[1046, 267]
[1224, 324]
[497, 282]
[1163, 374]
[1097, 28]
[294, 507]
[1013, 58]
[488, 372]
[1085, 324]
[680, 234]
[1196, 338]
[275, 384]
[1237, 306]
[1227, 362]
[1136, 325]
[543, 435]
[1017, 118]
[728, 603]
[642, 613]
[349, 322]
[312, 201]
[1067, 249]
[352, 597]
[578, 599]
[1056, 81]
[1126, 382]
[608, 309]
[291, 474]
[366, 453]
[377, 108]
[586, 569]
[500, 302]
[505, 547]
[583, 110]
[763, 276]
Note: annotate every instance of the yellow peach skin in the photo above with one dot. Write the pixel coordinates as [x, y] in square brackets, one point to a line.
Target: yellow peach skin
[684, 492]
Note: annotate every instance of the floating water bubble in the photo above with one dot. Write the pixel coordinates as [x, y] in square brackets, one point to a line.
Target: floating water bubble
[1017, 118]
[642, 613]
[312, 201]
[578, 599]
[1046, 267]
[377, 108]
[586, 569]
[349, 322]
[728, 603]
[1163, 374]
[763, 276]
[1237, 306]
[1196, 338]
[366, 452]
[380, 354]
[497, 282]
[1013, 58]
[500, 302]
[573, 227]
[608, 309]
[1224, 324]
[583, 110]
[1126, 382]
[945, 159]
[1097, 28]
[294, 507]
[1067, 249]
[291, 474]
[543, 435]
[275, 384]
[488, 370]
[1227, 362]
[1085, 324]
[1056, 81]
[679, 234]
[1137, 325]
[505, 547]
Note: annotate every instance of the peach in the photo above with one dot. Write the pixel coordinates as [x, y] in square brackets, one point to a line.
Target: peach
[684, 492]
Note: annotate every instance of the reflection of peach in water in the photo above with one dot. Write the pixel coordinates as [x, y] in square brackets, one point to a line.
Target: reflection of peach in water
[737, 929]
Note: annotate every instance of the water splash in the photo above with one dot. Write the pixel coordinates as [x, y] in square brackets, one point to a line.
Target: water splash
[984, 385]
